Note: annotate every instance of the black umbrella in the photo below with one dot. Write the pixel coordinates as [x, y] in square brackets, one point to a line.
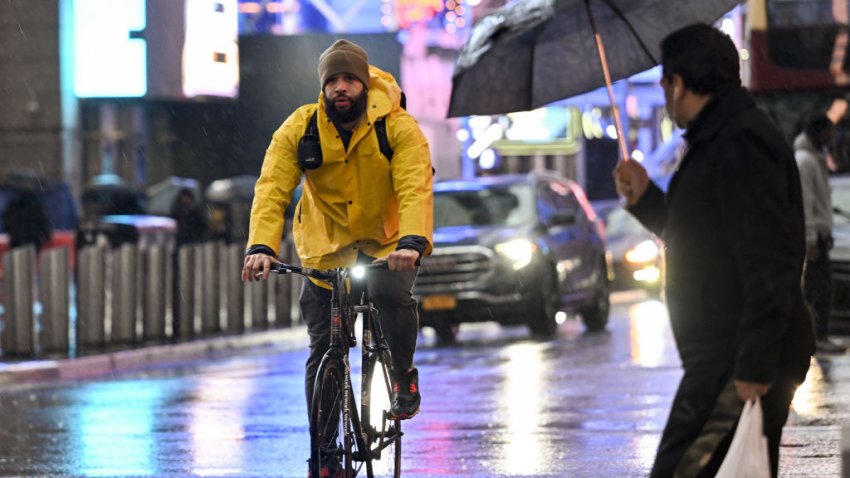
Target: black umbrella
[533, 52]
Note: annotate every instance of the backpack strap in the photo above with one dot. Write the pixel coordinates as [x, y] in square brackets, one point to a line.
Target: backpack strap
[312, 125]
[383, 141]
[380, 129]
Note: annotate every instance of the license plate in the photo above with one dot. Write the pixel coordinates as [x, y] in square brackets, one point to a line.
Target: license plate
[439, 302]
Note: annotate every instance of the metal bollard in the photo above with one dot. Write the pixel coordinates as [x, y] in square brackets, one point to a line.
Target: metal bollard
[259, 303]
[154, 287]
[91, 296]
[845, 451]
[54, 292]
[184, 297]
[235, 290]
[272, 287]
[169, 256]
[282, 298]
[18, 336]
[123, 287]
[210, 300]
[288, 289]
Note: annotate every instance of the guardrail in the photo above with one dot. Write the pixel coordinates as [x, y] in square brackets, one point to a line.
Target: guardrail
[135, 295]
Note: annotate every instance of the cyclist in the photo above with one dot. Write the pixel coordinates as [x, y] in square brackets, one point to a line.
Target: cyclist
[356, 204]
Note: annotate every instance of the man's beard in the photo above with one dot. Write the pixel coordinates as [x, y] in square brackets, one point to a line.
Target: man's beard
[356, 108]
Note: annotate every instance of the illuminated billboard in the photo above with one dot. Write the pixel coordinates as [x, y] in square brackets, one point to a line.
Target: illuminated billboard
[156, 49]
[109, 58]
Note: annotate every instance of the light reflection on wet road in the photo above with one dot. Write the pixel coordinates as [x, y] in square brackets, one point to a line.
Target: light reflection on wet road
[498, 404]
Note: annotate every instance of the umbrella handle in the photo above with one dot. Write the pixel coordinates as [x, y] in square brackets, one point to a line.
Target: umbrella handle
[603, 61]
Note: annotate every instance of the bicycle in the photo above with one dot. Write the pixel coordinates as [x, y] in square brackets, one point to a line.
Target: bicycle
[337, 430]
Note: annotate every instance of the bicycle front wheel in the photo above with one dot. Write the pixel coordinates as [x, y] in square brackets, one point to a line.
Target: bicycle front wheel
[385, 431]
[330, 440]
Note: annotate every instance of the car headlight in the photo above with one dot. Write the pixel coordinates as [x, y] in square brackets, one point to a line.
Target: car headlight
[518, 251]
[646, 251]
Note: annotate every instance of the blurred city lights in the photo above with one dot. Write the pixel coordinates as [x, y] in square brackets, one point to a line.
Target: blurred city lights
[632, 106]
[637, 155]
[493, 133]
[727, 26]
[521, 408]
[649, 325]
[809, 395]
[487, 160]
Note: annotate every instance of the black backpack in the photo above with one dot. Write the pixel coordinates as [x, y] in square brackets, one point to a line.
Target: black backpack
[310, 150]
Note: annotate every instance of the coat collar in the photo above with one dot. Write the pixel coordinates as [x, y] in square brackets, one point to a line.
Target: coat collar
[714, 115]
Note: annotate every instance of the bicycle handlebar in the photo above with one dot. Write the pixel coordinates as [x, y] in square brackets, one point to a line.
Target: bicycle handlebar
[321, 274]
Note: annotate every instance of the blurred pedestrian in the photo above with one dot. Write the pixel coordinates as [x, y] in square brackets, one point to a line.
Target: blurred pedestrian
[190, 223]
[26, 221]
[732, 223]
[810, 150]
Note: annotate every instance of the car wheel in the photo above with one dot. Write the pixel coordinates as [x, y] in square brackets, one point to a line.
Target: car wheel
[595, 315]
[446, 331]
[542, 322]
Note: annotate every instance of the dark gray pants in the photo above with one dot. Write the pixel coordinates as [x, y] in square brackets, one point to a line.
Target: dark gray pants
[699, 410]
[818, 287]
[391, 292]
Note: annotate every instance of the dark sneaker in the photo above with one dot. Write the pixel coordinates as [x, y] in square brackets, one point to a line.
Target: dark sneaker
[331, 468]
[406, 396]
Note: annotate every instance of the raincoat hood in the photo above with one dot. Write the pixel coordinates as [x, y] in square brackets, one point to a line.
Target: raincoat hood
[384, 93]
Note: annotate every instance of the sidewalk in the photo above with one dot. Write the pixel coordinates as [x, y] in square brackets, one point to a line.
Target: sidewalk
[98, 365]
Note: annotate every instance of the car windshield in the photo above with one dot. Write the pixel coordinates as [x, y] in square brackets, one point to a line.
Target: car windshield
[841, 200]
[620, 222]
[508, 205]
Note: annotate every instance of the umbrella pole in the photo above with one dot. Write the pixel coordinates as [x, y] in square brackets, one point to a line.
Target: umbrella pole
[603, 61]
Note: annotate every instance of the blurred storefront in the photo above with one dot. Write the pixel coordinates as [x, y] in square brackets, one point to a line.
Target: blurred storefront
[148, 89]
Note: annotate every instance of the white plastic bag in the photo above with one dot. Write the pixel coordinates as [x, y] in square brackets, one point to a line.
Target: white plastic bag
[747, 456]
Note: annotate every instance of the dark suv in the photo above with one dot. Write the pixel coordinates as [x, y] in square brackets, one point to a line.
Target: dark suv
[513, 249]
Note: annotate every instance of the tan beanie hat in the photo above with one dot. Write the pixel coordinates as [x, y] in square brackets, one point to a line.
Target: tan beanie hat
[344, 57]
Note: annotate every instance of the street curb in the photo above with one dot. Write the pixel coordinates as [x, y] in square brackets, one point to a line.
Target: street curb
[133, 360]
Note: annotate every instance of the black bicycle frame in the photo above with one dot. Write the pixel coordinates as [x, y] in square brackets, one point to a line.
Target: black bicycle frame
[375, 348]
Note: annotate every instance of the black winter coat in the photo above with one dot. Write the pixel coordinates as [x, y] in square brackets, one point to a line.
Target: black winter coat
[732, 224]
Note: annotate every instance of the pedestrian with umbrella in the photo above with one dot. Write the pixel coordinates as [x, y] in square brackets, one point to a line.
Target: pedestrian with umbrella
[732, 222]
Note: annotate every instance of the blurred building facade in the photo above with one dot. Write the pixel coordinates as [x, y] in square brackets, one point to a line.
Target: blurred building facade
[147, 89]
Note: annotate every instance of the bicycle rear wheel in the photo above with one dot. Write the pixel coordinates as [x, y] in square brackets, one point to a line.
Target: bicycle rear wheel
[330, 437]
[386, 432]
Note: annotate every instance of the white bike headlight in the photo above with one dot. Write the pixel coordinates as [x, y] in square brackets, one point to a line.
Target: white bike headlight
[358, 272]
[518, 251]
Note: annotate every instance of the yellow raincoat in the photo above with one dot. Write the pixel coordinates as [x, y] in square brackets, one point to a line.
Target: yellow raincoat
[356, 200]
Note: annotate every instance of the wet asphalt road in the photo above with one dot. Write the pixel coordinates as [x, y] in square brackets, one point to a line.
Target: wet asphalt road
[498, 404]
